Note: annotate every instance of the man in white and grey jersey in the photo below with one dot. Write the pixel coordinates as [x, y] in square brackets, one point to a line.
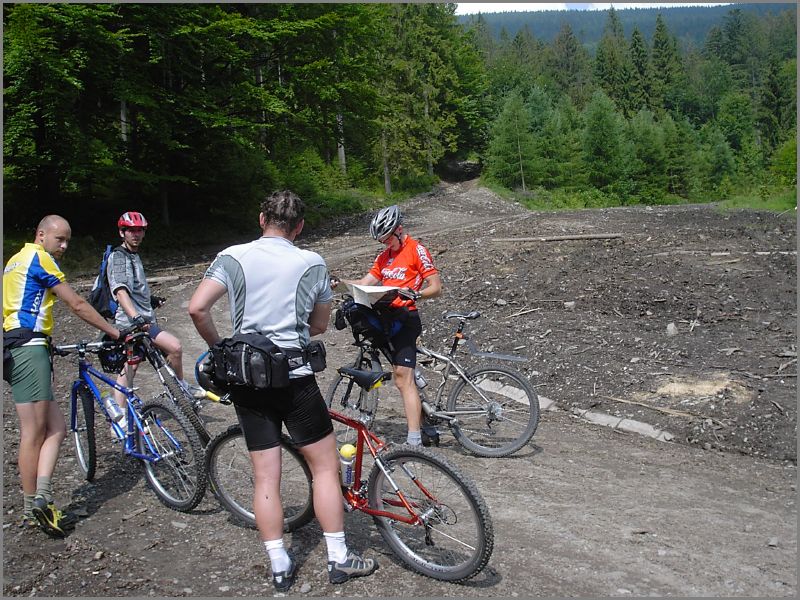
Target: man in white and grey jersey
[282, 292]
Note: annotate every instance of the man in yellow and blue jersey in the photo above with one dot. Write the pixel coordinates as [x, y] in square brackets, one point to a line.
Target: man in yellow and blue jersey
[31, 281]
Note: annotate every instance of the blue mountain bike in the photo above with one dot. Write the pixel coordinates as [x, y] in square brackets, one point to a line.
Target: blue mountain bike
[156, 432]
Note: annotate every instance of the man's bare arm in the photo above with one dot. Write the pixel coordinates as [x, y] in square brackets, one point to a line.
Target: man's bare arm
[204, 297]
[83, 309]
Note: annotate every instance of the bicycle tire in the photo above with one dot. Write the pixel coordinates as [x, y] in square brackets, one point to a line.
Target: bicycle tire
[182, 400]
[364, 411]
[83, 433]
[504, 426]
[178, 478]
[231, 475]
[457, 540]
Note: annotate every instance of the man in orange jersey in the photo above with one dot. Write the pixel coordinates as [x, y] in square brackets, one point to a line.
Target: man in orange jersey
[406, 264]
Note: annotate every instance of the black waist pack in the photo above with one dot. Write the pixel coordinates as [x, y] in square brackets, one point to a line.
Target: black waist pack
[315, 354]
[253, 361]
[250, 360]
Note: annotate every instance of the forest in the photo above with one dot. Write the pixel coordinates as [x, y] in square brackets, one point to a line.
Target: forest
[194, 111]
[690, 24]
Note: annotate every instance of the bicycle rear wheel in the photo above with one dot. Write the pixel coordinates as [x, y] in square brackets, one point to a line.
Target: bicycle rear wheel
[231, 474]
[359, 405]
[455, 539]
[82, 425]
[174, 466]
[498, 418]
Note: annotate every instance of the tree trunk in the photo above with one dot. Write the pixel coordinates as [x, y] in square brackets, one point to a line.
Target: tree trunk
[47, 178]
[428, 135]
[164, 197]
[123, 121]
[519, 152]
[340, 143]
[260, 83]
[387, 182]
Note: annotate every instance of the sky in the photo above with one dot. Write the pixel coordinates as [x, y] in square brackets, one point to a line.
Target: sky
[468, 8]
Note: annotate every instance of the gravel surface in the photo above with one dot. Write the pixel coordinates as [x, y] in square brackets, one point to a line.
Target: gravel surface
[680, 317]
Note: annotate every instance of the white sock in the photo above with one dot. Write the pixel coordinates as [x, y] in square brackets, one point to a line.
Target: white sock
[278, 557]
[337, 547]
[414, 438]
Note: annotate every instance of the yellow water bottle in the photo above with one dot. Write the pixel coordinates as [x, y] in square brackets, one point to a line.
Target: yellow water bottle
[347, 455]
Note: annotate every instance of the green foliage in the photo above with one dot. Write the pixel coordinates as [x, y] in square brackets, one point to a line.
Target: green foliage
[784, 162]
[648, 167]
[182, 110]
[775, 199]
[717, 161]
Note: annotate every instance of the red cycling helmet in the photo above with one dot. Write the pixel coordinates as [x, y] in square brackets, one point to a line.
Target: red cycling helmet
[132, 219]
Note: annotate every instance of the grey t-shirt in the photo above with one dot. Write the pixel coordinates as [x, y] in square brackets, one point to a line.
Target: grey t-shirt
[125, 270]
[272, 289]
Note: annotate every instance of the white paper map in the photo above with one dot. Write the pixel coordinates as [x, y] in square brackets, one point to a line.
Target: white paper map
[368, 294]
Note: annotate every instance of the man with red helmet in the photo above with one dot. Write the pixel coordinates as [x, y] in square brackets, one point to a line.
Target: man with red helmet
[128, 284]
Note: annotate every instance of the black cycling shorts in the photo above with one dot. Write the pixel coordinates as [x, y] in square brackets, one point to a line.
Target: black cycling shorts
[405, 341]
[300, 406]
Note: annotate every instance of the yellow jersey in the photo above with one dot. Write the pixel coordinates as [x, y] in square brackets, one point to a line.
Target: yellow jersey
[27, 295]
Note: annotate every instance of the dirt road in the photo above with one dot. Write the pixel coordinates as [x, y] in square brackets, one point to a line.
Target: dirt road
[584, 510]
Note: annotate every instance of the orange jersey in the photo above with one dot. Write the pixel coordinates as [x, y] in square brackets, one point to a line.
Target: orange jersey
[407, 268]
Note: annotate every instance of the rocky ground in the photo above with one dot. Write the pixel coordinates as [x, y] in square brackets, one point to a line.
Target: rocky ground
[680, 317]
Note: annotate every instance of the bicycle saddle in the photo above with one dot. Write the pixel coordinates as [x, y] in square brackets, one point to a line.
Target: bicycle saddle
[365, 379]
[458, 315]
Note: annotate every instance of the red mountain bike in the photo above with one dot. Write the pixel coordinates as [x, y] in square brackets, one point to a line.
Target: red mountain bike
[428, 512]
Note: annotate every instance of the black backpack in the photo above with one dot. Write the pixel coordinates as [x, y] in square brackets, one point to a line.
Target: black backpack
[101, 298]
[377, 324]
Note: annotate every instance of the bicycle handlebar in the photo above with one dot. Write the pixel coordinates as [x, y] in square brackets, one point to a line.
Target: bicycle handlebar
[82, 346]
[126, 335]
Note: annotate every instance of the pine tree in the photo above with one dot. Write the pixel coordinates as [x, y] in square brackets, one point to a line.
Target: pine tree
[612, 66]
[648, 169]
[640, 60]
[603, 141]
[570, 66]
[680, 150]
[718, 162]
[510, 155]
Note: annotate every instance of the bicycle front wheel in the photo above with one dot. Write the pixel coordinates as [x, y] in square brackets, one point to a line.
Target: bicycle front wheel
[82, 425]
[497, 411]
[173, 462]
[231, 474]
[453, 538]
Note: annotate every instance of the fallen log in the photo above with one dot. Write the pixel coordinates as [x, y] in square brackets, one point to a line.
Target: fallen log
[561, 238]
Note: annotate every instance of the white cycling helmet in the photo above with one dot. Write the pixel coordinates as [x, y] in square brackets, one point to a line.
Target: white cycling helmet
[385, 222]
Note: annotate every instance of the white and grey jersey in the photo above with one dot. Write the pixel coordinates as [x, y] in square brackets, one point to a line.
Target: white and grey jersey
[125, 270]
[272, 289]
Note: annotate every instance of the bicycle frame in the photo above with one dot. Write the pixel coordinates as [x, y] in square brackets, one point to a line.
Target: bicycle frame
[452, 368]
[355, 496]
[85, 374]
